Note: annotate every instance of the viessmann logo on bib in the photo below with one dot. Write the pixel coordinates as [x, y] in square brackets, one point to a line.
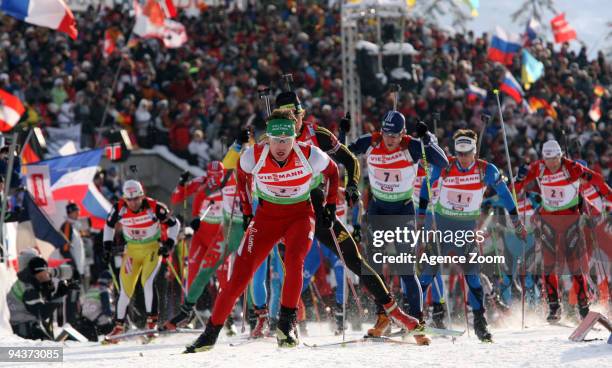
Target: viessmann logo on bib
[547, 179]
[460, 180]
[136, 220]
[385, 159]
[291, 174]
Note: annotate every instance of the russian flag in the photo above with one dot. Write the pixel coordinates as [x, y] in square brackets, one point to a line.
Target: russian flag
[503, 47]
[475, 93]
[11, 110]
[54, 14]
[512, 88]
[531, 32]
[71, 179]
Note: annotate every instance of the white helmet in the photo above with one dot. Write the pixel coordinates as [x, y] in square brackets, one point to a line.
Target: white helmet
[551, 149]
[132, 189]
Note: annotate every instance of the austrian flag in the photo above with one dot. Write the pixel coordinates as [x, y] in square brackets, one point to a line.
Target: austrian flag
[11, 110]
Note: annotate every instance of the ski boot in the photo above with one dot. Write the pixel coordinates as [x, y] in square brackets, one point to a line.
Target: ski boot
[554, 312]
[206, 340]
[438, 314]
[400, 317]
[272, 327]
[152, 325]
[182, 318]
[338, 316]
[117, 330]
[583, 309]
[262, 322]
[421, 339]
[382, 327]
[480, 327]
[286, 332]
[230, 329]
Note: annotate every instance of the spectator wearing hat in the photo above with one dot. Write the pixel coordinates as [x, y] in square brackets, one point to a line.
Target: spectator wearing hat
[33, 299]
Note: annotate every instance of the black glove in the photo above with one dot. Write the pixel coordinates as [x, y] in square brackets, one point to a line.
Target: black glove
[345, 123]
[166, 248]
[46, 289]
[357, 233]
[184, 178]
[74, 284]
[245, 136]
[195, 224]
[522, 173]
[422, 132]
[63, 287]
[351, 193]
[327, 216]
[246, 220]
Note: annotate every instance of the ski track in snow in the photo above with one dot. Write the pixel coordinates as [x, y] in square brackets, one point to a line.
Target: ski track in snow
[540, 345]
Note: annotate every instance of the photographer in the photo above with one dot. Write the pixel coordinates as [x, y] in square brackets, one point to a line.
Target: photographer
[33, 299]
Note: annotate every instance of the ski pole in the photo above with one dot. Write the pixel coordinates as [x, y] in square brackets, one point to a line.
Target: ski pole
[501, 118]
[435, 226]
[110, 269]
[351, 286]
[395, 89]
[173, 270]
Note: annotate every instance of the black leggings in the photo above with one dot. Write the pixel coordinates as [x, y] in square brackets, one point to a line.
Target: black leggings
[350, 252]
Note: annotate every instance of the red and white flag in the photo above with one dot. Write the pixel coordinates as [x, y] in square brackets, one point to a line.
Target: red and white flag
[561, 29]
[152, 22]
[11, 110]
[595, 111]
[110, 41]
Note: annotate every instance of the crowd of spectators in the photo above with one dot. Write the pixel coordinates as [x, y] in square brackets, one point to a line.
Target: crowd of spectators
[195, 99]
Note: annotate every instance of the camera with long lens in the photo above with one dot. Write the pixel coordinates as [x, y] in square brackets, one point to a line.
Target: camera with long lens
[63, 272]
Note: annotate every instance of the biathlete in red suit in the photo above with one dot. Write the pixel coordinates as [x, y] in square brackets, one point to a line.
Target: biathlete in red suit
[559, 180]
[283, 172]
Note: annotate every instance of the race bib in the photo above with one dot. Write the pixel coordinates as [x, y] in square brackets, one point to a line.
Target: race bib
[388, 175]
[461, 199]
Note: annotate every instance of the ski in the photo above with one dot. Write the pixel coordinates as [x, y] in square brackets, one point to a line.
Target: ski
[428, 331]
[138, 333]
[365, 339]
[249, 340]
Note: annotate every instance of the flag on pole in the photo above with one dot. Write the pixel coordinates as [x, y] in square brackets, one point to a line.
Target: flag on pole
[110, 41]
[532, 69]
[474, 5]
[512, 88]
[531, 32]
[475, 93]
[503, 47]
[537, 103]
[151, 22]
[42, 228]
[69, 178]
[562, 31]
[595, 111]
[54, 14]
[11, 110]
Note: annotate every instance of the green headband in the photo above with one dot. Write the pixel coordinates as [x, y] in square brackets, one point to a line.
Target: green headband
[280, 127]
[297, 107]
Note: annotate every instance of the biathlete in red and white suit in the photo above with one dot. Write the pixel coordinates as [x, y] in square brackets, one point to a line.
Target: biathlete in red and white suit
[284, 173]
[207, 211]
[559, 180]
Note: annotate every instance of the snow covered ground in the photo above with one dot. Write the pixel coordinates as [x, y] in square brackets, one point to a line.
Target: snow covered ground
[540, 345]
